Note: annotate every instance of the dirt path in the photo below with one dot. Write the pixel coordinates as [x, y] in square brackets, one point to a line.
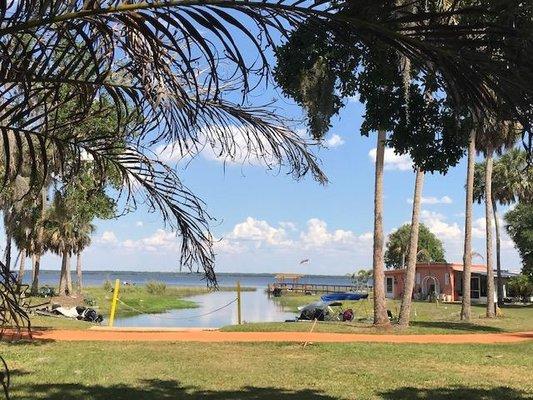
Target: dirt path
[217, 336]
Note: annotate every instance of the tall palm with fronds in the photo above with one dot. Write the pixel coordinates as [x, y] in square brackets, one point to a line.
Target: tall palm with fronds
[60, 238]
[26, 231]
[508, 185]
[467, 251]
[82, 239]
[21, 234]
[12, 206]
[495, 136]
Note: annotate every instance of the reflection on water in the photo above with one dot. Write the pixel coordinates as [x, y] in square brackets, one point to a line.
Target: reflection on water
[256, 307]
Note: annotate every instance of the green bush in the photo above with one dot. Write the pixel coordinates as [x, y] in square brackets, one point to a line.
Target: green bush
[89, 301]
[520, 286]
[108, 286]
[156, 287]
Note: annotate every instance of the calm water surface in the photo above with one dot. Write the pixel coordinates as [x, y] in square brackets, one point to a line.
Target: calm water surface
[97, 278]
[256, 306]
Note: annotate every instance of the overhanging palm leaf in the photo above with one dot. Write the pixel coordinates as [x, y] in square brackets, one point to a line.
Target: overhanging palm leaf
[172, 67]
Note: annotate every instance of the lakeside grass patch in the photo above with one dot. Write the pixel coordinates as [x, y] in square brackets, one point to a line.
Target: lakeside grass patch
[263, 371]
[426, 318]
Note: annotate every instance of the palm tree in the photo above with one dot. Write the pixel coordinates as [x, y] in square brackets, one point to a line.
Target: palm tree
[11, 205]
[508, 185]
[467, 254]
[38, 240]
[59, 232]
[378, 264]
[25, 230]
[405, 308]
[82, 240]
[494, 136]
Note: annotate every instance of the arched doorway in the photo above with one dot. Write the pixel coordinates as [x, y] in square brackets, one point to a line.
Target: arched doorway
[430, 285]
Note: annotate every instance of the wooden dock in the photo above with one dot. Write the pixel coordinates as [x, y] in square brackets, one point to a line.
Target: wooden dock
[311, 288]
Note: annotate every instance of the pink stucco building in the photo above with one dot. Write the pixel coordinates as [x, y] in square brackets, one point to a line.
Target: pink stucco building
[443, 279]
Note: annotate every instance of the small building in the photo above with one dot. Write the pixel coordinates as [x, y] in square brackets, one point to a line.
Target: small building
[443, 280]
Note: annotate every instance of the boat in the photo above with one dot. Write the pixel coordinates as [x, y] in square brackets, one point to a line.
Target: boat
[343, 296]
[325, 311]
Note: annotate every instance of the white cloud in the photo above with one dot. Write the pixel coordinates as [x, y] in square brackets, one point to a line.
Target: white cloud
[160, 240]
[393, 161]
[433, 200]
[247, 147]
[108, 237]
[318, 235]
[259, 232]
[228, 246]
[290, 226]
[139, 223]
[479, 228]
[255, 234]
[334, 141]
[169, 153]
[437, 224]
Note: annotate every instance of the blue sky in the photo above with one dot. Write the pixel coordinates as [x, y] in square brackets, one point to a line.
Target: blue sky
[267, 222]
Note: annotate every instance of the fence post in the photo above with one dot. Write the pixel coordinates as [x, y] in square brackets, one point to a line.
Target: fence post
[239, 302]
[114, 302]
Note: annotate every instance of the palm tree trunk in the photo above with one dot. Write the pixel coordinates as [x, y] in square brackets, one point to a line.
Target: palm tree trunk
[36, 258]
[489, 216]
[409, 280]
[78, 271]
[499, 279]
[467, 256]
[380, 305]
[9, 241]
[22, 265]
[69, 276]
[36, 261]
[63, 284]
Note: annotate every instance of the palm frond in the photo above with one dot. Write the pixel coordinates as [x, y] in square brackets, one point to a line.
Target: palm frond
[174, 68]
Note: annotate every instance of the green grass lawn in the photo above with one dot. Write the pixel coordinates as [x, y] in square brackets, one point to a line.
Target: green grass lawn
[190, 371]
[426, 318]
[136, 297]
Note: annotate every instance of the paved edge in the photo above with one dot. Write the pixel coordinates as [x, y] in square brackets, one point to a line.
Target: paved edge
[255, 337]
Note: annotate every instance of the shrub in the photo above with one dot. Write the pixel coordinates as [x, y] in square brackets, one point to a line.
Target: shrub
[89, 301]
[521, 286]
[108, 286]
[156, 287]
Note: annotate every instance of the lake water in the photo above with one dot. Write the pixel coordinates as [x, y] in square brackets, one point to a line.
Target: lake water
[256, 305]
[97, 278]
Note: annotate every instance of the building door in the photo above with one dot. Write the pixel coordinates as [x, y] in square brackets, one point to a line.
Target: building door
[474, 287]
[389, 286]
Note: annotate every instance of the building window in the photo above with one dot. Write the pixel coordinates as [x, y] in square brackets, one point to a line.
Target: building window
[418, 278]
[483, 285]
[446, 278]
[389, 284]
